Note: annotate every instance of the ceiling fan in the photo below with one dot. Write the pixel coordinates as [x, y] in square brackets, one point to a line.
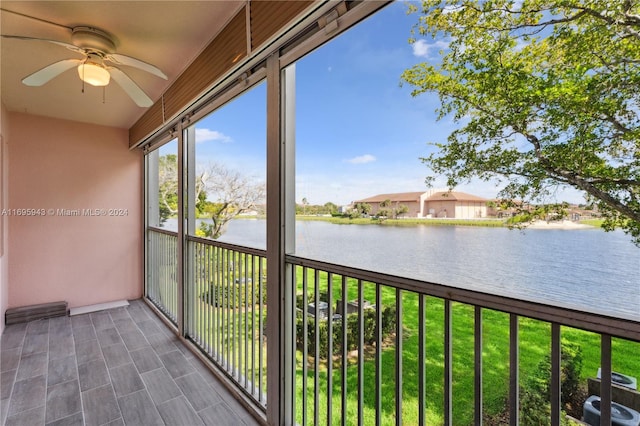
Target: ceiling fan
[98, 65]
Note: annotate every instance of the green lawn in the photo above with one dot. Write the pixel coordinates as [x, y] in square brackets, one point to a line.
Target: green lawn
[593, 222]
[534, 345]
[406, 222]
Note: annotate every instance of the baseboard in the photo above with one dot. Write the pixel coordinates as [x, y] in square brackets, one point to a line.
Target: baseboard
[97, 307]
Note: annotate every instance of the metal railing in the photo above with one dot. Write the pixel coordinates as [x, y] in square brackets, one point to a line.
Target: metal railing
[226, 310]
[162, 271]
[372, 348]
[379, 349]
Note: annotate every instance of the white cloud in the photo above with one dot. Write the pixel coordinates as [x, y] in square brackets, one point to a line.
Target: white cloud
[205, 135]
[362, 159]
[423, 49]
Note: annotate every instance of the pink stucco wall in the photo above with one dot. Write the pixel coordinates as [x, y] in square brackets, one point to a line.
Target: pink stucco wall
[58, 165]
[4, 220]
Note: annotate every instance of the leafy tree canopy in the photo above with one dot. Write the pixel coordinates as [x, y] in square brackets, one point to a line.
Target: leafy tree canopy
[307, 208]
[168, 188]
[360, 209]
[389, 209]
[231, 194]
[220, 194]
[546, 93]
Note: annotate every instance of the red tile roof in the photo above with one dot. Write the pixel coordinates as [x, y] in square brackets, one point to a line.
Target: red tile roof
[415, 196]
[454, 196]
[399, 197]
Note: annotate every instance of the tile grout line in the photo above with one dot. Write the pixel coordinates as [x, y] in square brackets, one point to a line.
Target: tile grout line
[46, 387]
[173, 379]
[138, 371]
[107, 366]
[15, 377]
[206, 380]
[142, 315]
[75, 355]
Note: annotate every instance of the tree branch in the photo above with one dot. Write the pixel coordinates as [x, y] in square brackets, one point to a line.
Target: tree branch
[622, 129]
[625, 25]
[630, 21]
[582, 183]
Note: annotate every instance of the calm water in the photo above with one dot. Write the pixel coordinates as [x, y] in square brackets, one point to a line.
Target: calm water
[583, 269]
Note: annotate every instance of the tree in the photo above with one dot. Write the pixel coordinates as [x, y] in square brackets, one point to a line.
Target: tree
[330, 208]
[168, 187]
[547, 93]
[384, 210]
[399, 210]
[231, 193]
[387, 209]
[360, 209]
[305, 203]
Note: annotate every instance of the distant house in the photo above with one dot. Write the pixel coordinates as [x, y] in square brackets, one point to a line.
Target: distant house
[413, 200]
[502, 209]
[434, 203]
[459, 205]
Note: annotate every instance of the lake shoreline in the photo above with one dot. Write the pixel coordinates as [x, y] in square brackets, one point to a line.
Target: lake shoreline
[564, 224]
[560, 267]
[485, 222]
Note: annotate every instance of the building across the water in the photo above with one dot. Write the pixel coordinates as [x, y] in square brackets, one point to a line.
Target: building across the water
[432, 204]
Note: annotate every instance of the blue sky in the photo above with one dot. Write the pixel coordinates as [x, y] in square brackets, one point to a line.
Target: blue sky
[358, 132]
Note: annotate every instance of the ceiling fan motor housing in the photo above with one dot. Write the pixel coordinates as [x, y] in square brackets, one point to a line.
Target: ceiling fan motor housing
[92, 38]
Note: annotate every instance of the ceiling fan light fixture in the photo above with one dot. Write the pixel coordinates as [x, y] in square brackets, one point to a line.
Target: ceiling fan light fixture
[93, 74]
[99, 64]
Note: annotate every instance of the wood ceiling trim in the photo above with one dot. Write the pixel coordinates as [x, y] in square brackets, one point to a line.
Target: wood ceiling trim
[268, 17]
[147, 123]
[228, 48]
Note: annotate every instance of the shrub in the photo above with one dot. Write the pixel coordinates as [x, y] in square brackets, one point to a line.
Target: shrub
[520, 219]
[536, 392]
[369, 335]
[233, 296]
[388, 320]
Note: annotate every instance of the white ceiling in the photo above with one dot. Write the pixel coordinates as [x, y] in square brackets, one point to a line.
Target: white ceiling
[167, 34]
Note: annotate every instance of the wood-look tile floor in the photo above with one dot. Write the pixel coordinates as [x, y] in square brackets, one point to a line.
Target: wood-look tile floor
[120, 366]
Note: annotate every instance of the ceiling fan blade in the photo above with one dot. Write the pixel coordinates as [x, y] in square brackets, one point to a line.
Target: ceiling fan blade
[133, 90]
[136, 63]
[42, 76]
[60, 43]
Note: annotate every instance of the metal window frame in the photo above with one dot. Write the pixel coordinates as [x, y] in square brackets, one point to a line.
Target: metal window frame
[276, 66]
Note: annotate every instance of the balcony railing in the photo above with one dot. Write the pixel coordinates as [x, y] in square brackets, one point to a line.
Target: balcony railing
[226, 310]
[162, 271]
[391, 350]
[372, 348]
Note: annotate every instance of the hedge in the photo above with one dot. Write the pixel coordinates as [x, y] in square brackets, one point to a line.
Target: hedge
[536, 391]
[369, 337]
[226, 295]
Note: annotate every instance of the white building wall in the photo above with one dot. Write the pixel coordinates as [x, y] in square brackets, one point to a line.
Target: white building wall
[470, 210]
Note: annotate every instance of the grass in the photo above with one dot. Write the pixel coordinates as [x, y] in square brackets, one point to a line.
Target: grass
[405, 222]
[485, 222]
[593, 222]
[534, 346]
